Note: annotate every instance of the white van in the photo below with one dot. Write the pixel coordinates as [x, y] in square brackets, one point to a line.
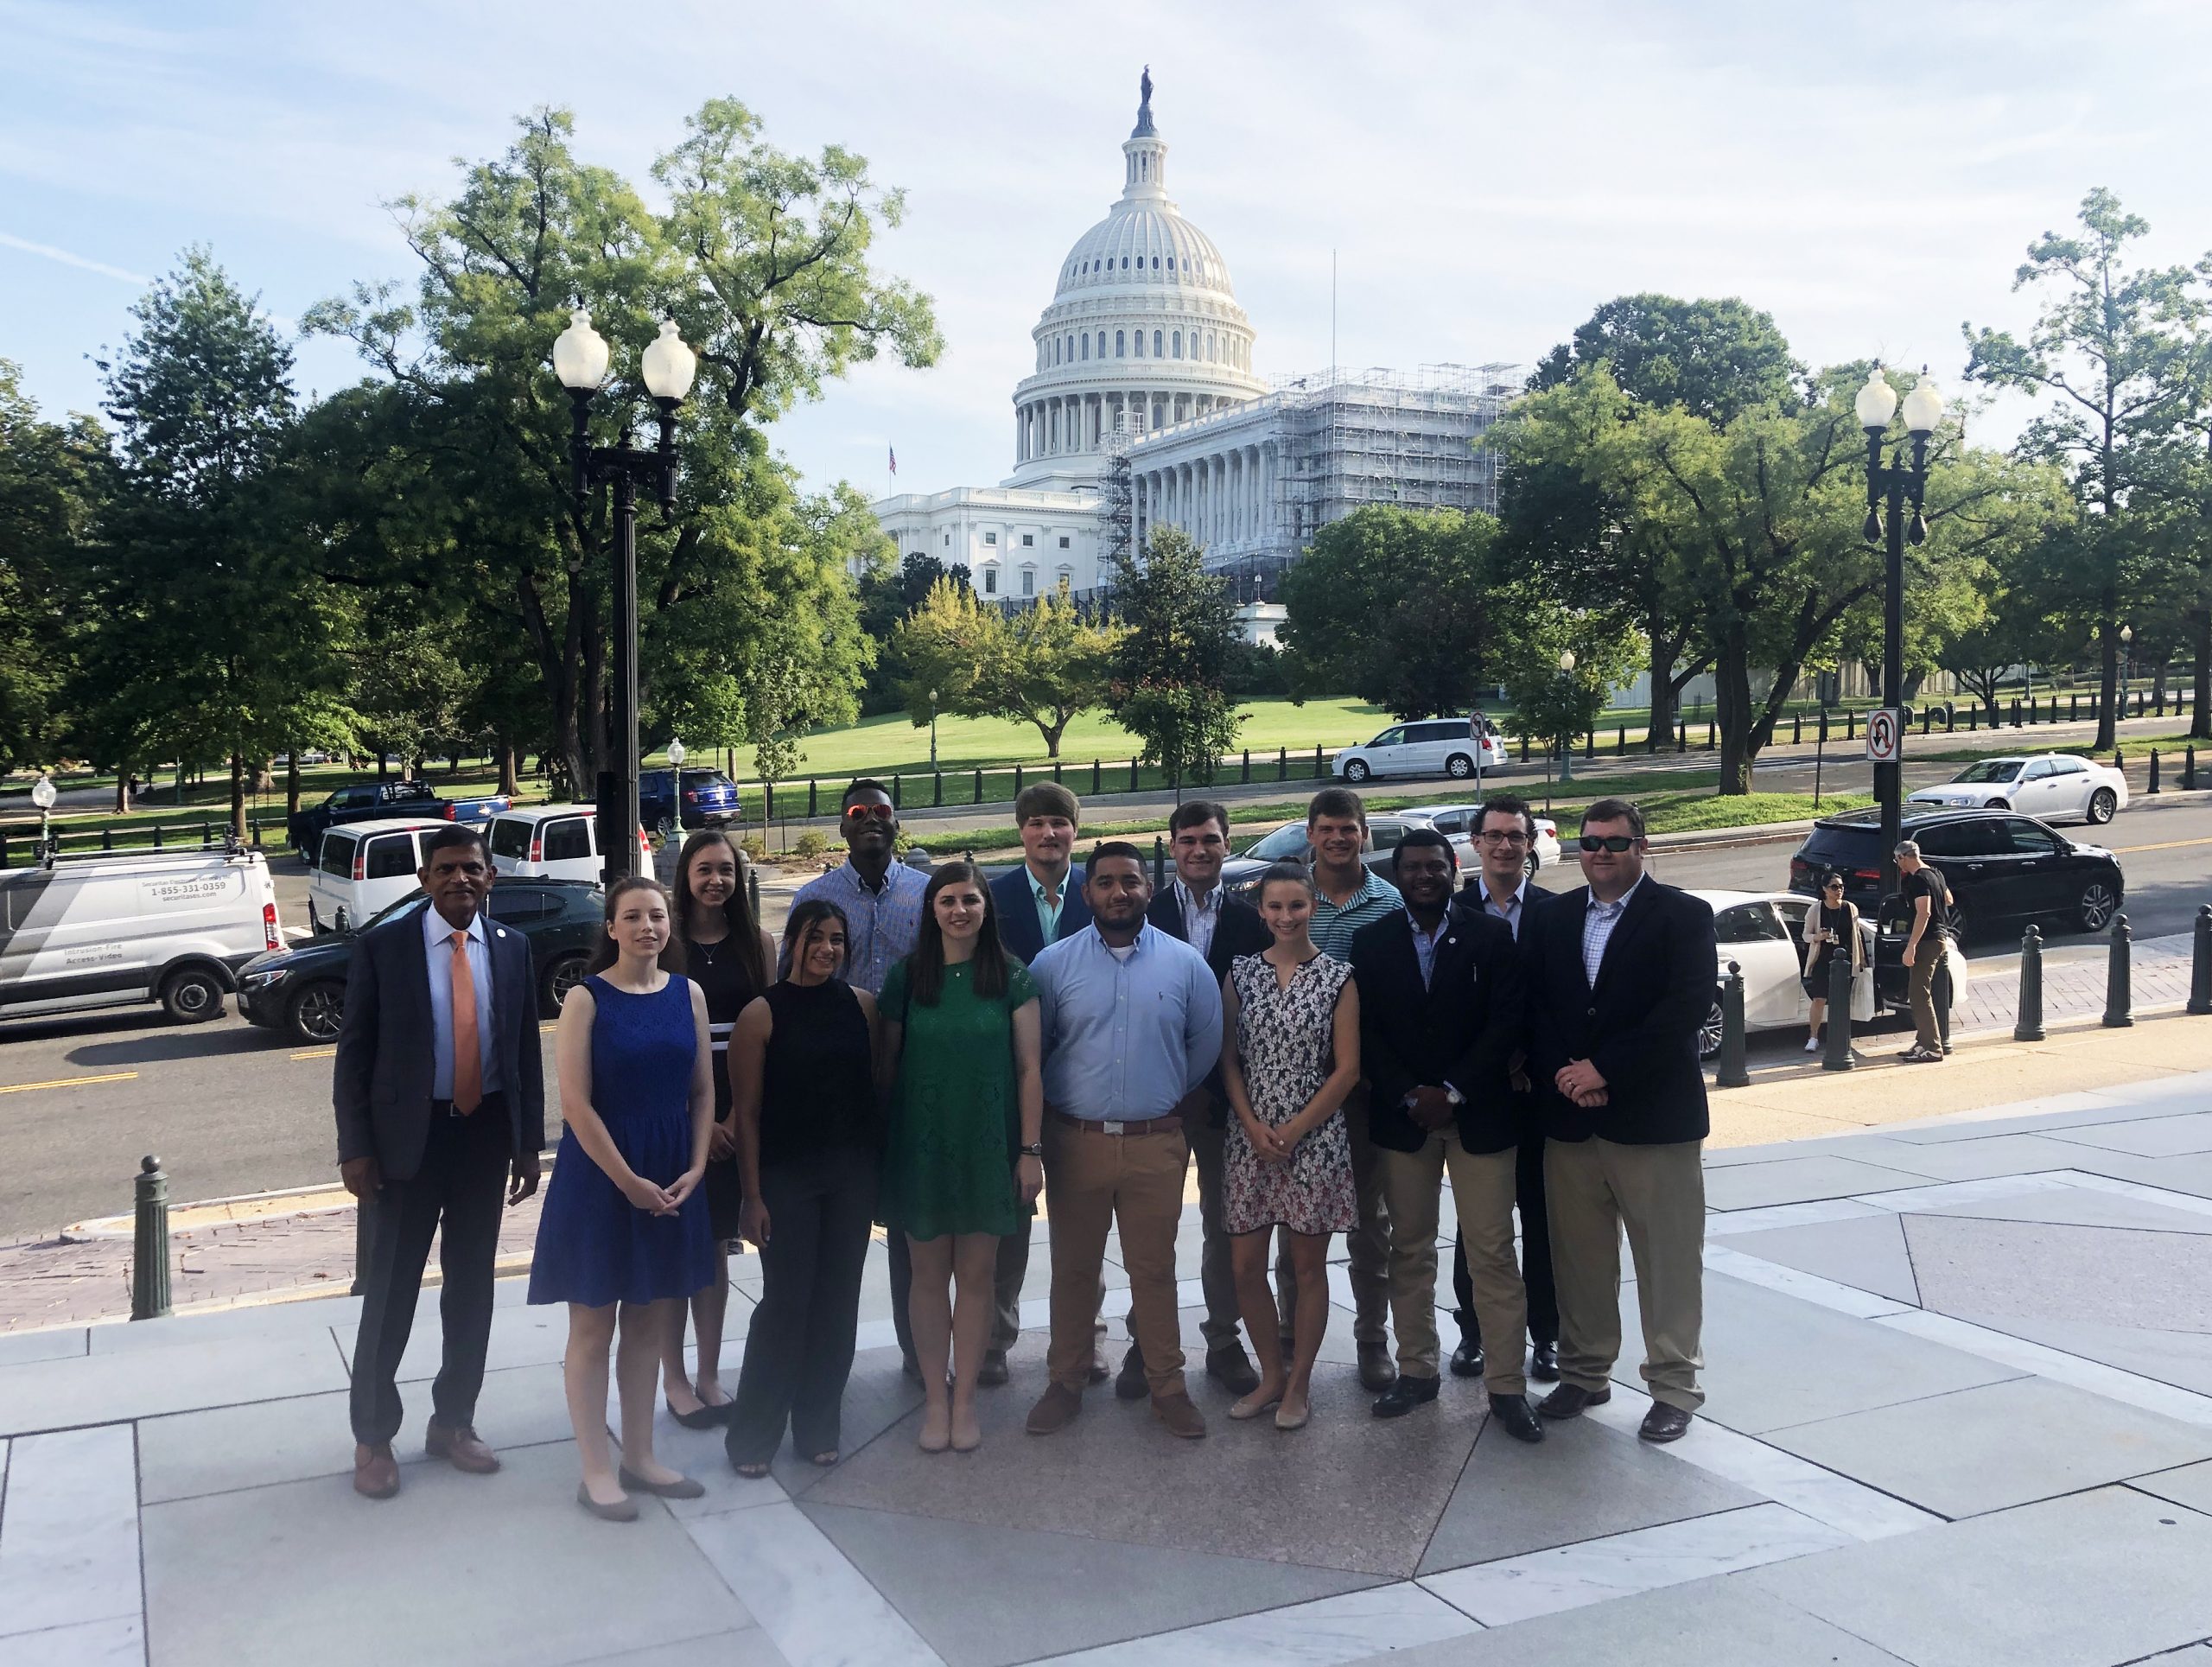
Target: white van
[1435, 747]
[105, 929]
[551, 842]
[362, 866]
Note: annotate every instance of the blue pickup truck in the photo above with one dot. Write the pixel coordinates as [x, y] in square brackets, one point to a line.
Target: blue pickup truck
[382, 798]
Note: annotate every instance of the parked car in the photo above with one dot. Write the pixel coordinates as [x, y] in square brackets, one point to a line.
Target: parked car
[710, 799]
[362, 867]
[1434, 747]
[301, 988]
[2051, 786]
[1462, 819]
[556, 842]
[2002, 868]
[1763, 934]
[108, 929]
[1288, 843]
[375, 799]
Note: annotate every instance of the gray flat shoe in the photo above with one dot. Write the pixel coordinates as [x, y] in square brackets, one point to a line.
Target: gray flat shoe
[684, 1487]
[622, 1510]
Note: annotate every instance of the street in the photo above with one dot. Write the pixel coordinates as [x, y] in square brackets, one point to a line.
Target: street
[230, 1109]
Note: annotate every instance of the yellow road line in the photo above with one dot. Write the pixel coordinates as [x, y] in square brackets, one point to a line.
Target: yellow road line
[69, 1082]
[317, 1053]
[2167, 845]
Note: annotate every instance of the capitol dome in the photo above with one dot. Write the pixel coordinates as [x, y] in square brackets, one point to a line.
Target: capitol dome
[1143, 331]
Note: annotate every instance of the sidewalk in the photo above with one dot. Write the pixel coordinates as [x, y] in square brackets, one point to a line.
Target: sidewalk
[1961, 1413]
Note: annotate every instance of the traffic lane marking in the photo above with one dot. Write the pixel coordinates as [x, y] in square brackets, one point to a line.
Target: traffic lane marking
[330, 1053]
[69, 1082]
[2164, 845]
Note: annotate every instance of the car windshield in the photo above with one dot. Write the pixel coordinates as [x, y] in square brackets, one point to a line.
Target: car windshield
[1991, 769]
[1286, 842]
[390, 910]
[705, 778]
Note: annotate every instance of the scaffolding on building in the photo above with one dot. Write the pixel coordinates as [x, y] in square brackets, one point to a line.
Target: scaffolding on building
[1116, 506]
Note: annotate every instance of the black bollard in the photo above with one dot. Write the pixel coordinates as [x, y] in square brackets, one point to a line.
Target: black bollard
[1836, 1039]
[1733, 1072]
[2154, 769]
[2119, 982]
[753, 889]
[1683, 737]
[2189, 770]
[149, 1253]
[2200, 964]
[2027, 1026]
[1158, 863]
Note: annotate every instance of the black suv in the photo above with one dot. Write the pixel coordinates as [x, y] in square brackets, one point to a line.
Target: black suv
[302, 988]
[2001, 867]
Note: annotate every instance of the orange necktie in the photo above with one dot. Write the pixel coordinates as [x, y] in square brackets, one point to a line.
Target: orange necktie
[468, 1063]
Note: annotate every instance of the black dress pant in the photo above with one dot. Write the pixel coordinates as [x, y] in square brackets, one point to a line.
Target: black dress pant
[1536, 1254]
[457, 1195]
[798, 1350]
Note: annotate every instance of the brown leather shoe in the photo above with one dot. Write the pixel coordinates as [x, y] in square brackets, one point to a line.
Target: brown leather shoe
[375, 1472]
[1054, 1410]
[461, 1447]
[1376, 1371]
[1181, 1418]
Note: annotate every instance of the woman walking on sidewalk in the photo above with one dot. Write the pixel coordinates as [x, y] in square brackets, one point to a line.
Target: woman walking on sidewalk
[727, 956]
[625, 1228]
[1830, 924]
[959, 1018]
[801, 1077]
[1289, 1056]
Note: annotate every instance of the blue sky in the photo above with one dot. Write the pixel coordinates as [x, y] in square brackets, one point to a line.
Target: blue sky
[1486, 173]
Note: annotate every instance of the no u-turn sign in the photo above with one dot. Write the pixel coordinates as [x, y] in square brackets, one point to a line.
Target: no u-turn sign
[1886, 735]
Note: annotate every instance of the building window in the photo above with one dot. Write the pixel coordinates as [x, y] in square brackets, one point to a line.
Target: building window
[1170, 263]
[1176, 342]
[948, 541]
[1155, 263]
[1102, 344]
[1064, 541]
[1028, 581]
[1140, 352]
[1028, 540]
[1119, 344]
[990, 581]
[991, 537]
[1125, 263]
[1056, 350]
[1086, 343]
[1155, 344]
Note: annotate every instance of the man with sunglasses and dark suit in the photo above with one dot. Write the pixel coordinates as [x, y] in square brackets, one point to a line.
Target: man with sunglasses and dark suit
[1620, 979]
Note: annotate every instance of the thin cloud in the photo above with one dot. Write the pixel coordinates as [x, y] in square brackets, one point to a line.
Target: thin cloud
[47, 252]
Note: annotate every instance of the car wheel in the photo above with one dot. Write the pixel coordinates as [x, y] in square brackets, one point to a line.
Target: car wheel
[1357, 771]
[1530, 864]
[2102, 804]
[192, 997]
[314, 922]
[1961, 925]
[1459, 767]
[317, 1011]
[1999, 804]
[1709, 1036]
[2100, 902]
[562, 974]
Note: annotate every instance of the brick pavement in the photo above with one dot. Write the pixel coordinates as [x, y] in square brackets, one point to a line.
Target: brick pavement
[2074, 983]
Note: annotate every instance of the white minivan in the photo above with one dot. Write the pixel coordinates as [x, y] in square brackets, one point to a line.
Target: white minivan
[1434, 746]
[549, 842]
[362, 866]
[108, 928]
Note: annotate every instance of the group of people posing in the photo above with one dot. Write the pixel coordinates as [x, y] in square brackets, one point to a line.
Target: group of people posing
[937, 1051]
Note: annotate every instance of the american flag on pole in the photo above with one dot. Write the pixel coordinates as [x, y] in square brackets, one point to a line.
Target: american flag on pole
[894, 459]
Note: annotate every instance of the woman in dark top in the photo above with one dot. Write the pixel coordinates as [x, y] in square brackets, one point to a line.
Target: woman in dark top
[804, 1089]
[1831, 923]
[729, 957]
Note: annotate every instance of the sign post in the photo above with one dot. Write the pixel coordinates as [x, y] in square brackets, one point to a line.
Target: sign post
[1885, 752]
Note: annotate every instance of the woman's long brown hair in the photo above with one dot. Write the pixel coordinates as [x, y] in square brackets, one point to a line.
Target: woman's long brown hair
[608, 953]
[744, 930]
[925, 966]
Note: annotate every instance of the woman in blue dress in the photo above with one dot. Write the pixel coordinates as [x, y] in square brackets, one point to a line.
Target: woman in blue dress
[624, 1230]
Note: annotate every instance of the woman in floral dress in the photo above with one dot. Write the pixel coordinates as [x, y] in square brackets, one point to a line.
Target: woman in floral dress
[1289, 1057]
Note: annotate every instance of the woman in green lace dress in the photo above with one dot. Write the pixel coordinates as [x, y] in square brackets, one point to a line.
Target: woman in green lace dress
[965, 1160]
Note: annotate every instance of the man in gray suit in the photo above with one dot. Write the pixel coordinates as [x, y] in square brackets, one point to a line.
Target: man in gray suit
[441, 1099]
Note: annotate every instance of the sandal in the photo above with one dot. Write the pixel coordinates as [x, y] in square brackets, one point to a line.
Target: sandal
[753, 1470]
[825, 1459]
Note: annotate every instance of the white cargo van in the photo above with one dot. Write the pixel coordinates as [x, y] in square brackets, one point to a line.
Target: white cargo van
[103, 929]
[362, 866]
[549, 842]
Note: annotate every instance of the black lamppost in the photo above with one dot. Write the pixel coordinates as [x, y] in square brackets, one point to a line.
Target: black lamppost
[1893, 485]
[1566, 741]
[933, 731]
[580, 361]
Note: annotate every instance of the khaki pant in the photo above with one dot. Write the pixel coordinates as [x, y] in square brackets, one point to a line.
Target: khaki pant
[1593, 1188]
[1920, 989]
[1093, 1181]
[1367, 1247]
[1216, 1271]
[1482, 1193]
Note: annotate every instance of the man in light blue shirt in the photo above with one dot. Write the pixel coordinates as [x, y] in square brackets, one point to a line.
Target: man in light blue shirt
[1132, 1023]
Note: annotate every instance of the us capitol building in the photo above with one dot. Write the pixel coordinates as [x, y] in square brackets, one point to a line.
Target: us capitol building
[1144, 409]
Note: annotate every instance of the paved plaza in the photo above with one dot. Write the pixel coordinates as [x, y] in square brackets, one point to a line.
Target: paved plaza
[1960, 1379]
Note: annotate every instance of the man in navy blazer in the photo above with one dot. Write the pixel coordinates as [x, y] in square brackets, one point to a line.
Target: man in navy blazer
[1620, 977]
[440, 1093]
[1036, 904]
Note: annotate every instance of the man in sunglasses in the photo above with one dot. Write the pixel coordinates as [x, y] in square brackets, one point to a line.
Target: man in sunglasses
[1619, 978]
[882, 902]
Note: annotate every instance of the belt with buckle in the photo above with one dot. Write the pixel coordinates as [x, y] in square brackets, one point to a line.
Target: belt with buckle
[1166, 1122]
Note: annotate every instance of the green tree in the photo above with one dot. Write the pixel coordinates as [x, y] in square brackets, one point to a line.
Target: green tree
[2112, 352]
[946, 646]
[1053, 664]
[1169, 667]
[887, 595]
[1396, 605]
[1556, 703]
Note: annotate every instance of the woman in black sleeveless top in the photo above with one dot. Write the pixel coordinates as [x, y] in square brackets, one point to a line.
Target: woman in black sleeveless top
[729, 957]
[801, 1071]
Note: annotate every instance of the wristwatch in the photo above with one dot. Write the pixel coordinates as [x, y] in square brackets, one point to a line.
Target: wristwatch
[1036, 1151]
[1454, 1094]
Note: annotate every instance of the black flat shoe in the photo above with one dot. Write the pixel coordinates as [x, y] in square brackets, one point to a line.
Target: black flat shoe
[1511, 1412]
[1568, 1401]
[705, 1418]
[1402, 1396]
[989, 1374]
[1663, 1423]
[1543, 1363]
[1467, 1358]
[1232, 1368]
[1130, 1383]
